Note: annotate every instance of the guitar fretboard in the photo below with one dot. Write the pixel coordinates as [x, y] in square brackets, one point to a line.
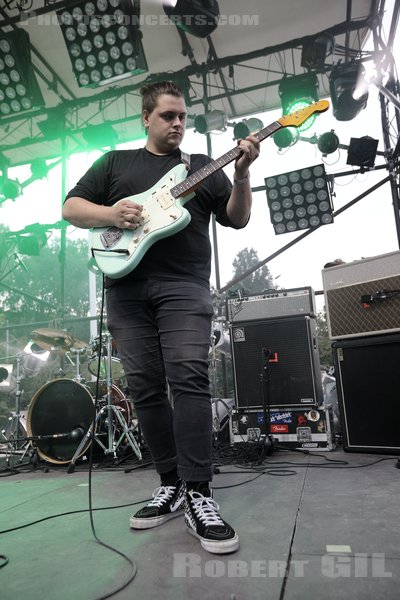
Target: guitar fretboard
[193, 181]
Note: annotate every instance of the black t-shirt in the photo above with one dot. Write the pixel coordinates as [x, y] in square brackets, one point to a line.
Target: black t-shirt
[184, 255]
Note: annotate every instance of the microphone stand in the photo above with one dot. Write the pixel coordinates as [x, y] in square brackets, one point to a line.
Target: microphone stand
[268, 442]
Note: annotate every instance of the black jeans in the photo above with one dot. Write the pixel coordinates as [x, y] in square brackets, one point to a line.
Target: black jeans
[162, 331]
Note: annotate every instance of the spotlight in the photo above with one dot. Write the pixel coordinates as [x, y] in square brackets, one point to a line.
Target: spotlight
[197, 17]
[362, 152]
[214, 120]
[19, 90]
[315, 50]
[349, 90]
[100, 136]
[7, 380]
[39, 168]
[299, 199]
[103, 40]
[298, 92]
[11, 188]
[286, 137]
[32, 243]
[53, 126]
[246, 127]
[221, 340]
[35, 358]
[4, 164]
[328, 142]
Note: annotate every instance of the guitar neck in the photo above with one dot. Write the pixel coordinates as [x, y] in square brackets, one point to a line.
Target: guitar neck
[193, 181]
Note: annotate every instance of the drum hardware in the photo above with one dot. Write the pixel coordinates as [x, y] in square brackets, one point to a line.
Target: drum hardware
[109, 410]
[77, 364]
[220, 342]
[16, 438]
[15, 421]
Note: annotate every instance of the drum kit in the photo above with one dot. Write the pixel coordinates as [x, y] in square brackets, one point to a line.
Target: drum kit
[66, 415]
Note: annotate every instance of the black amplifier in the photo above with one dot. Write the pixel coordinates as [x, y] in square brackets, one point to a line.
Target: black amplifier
[291, 371]
[272, 304]
[367, 376]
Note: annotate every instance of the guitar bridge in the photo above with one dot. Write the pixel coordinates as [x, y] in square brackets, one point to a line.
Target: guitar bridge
[111, 236]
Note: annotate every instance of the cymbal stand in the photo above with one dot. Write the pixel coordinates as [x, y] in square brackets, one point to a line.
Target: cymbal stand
[110, 410]
[78, 377]
[14, 440]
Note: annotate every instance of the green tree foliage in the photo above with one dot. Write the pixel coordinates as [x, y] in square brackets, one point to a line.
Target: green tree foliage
[53, 292]
[258, 281]
[53, 287]
[221, 372]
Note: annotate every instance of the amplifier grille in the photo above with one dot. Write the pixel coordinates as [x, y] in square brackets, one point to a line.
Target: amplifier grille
[347, 317]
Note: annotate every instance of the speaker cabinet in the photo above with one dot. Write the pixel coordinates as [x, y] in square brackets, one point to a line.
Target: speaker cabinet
[277, 361]
[367, 376]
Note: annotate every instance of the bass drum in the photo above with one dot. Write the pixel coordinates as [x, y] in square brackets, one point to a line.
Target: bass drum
[59, 407]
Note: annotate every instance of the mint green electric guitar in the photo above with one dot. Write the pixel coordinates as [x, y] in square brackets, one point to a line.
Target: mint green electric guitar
[118, 251]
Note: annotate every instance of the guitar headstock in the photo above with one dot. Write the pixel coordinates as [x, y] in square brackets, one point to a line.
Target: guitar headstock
[300, 116]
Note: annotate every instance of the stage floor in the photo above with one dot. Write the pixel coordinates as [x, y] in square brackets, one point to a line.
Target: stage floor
[318, 525]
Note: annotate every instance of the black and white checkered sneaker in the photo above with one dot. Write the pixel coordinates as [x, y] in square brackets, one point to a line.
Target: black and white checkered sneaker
[167, 503]
[203, 520]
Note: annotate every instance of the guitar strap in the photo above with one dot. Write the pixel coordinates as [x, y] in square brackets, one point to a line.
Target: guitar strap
[185, 158]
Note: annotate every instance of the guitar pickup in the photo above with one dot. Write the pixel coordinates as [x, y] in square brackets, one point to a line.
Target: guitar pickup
[164, 197]
[111, 236]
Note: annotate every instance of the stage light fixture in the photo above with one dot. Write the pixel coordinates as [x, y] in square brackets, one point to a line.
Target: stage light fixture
[54, 125]
[349, 90]
[10, 188]
[286, 137]
[103, 40]
[299, 200]
[315, 50]
[328, 142]
[39, 168]
[19, 89]
[299, 92]
[197, 17]
[100, 136]
[31, 243]
[362, 152]
[215, 120]
[4, 164]
[246, 127]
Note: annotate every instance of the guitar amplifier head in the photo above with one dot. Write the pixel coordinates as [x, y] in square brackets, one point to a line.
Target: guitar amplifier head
[272, 304]
[361, 297]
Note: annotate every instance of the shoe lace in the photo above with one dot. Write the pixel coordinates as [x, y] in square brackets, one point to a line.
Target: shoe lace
[206, 509]
[161, 495]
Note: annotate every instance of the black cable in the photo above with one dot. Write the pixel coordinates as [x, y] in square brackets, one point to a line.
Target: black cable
[133, 572]
[71, 512]
[4, 561]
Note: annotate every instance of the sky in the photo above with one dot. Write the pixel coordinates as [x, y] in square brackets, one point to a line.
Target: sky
[366, 229]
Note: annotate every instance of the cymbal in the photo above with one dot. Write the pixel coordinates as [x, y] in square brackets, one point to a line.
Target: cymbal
[50, 338]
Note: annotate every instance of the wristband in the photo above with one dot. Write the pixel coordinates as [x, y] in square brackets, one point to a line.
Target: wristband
[243, 180]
